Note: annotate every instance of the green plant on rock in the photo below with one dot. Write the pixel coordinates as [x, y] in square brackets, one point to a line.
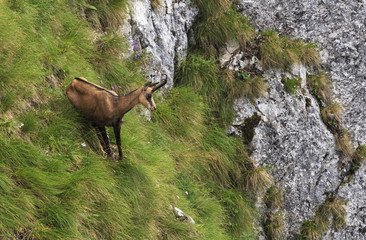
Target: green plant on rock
[330, 214]
[256, 179]
[291, 84]
[273, 198]
[320, 86]
[274, 226]
[358, 156]
[282, 52]
[310, 231]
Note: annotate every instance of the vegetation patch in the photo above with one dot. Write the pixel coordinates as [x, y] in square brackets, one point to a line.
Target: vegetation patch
[358, 157]
[274, 226]
[282, 52]
[291, 84]
[273, 198]
[330, 214]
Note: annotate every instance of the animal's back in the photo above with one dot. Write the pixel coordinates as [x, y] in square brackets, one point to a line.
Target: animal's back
[93, 100]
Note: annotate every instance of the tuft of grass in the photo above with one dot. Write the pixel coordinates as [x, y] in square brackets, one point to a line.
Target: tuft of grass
[104, 15]
[310, 231]
[240, 212]
[333, 208]
[216, 6]
[219, 89]
[256, 180]
[274, 226]
[291, 84]
[320, 87]
[252, 88]
[330, 214]
[273, 198]
[343, 143]
[181, 118]
[30, 122]
[282, 52]
[218, 29]
[155, 4]
[358, 156]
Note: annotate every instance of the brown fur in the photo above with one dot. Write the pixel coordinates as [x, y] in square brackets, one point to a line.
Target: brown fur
[104, 107]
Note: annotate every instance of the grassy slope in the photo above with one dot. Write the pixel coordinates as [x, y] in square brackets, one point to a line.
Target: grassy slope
[52, 183]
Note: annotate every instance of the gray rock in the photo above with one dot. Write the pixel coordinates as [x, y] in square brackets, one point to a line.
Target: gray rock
[161, 32]
[294, 141]
[179, 214]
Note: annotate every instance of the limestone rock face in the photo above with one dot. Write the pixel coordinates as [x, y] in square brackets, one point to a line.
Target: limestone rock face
[161, 31]
[291, 137]
[339, 28]
[294, 143]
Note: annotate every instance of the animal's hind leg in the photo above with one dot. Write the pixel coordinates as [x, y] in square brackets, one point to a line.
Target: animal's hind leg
[103, 138]
[101, 144]
[106, 140]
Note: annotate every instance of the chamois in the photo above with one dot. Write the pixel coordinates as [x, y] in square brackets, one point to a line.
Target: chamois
[106, 108]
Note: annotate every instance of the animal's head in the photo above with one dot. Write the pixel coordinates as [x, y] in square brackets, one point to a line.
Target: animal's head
[149, 88]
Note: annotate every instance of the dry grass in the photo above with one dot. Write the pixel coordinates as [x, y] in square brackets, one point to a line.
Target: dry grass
[256, 180]
[320, 86]
[273, 198]
[155, 4]
[310, 231]
[330, 214]
[282, 52]
[343, 143]
[274, 226]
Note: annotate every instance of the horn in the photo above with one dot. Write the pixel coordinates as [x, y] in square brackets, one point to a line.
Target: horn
[162, 83]
[153, 84]
[146, 85]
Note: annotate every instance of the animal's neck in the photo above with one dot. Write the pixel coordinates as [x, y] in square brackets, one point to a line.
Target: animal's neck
[127, 102]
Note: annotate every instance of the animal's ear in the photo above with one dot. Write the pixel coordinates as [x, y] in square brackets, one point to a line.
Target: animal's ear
[146, 85]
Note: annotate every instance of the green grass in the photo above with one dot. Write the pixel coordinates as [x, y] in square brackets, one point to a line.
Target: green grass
[291, 85]
[273, 198]
[54, 182]
[282, 52]
[218, 88]
[330, 111]
[330, 214]
[274, 226]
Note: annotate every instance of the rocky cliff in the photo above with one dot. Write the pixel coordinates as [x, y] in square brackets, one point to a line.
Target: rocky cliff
[160, 30]
[289, 135]
[291, 138]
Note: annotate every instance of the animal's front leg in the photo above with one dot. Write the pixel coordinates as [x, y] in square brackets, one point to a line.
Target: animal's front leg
[117, 133]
